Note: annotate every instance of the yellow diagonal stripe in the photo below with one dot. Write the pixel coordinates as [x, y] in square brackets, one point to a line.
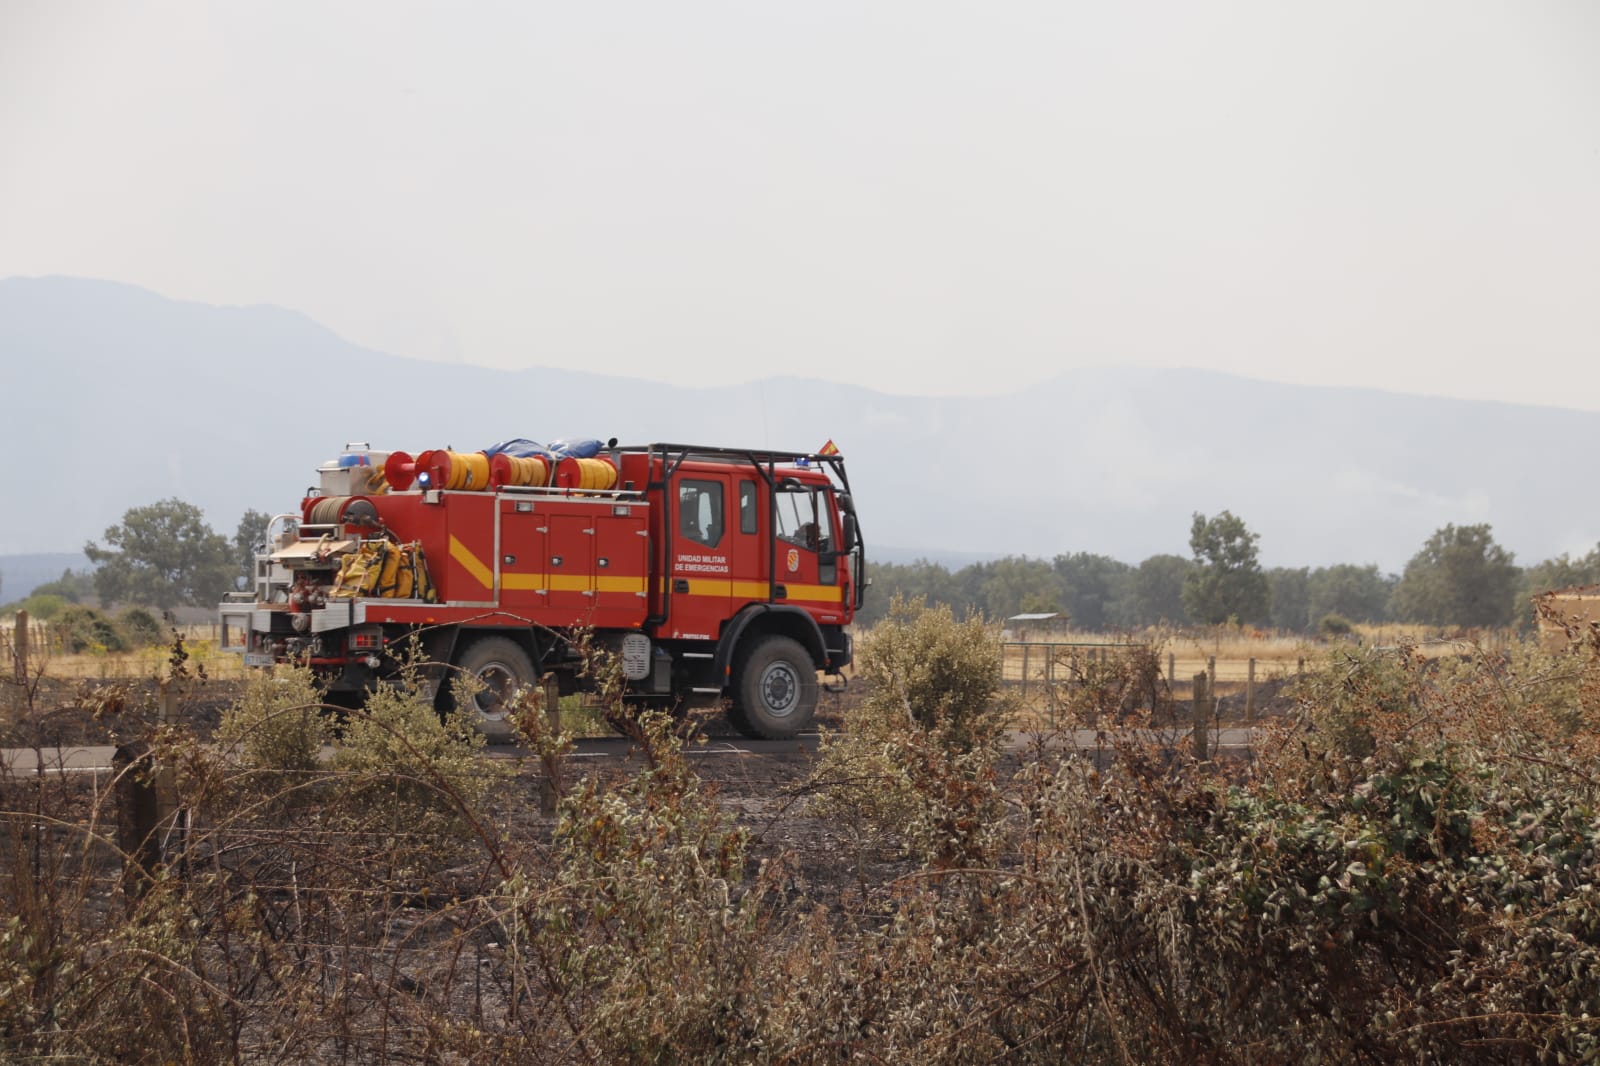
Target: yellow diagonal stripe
[473, 565]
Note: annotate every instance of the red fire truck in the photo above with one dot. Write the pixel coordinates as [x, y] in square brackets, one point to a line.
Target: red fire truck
[710, 574]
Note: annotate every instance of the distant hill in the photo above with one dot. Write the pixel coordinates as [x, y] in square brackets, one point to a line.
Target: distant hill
[125, 397]
[950, 560]
[21, 574]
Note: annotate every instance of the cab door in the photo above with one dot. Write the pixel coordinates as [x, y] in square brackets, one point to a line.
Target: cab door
[700, 570]
[749, 548]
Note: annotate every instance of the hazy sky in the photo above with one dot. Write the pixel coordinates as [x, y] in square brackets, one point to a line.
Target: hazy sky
[918, 197]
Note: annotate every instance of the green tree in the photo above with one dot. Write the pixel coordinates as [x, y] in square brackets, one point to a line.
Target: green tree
[1559, 573]
[45, 608]
[1153, 592]
[162, 555]
[251, 535]
[1357, 593]
[1021, 584]
[1291, 599]
[1460, 577]
[967, 590]
[1226, 583]
[73, 587]
[1090, 586]
[912, 581]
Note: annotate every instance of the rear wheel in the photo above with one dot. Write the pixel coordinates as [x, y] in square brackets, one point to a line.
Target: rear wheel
[503, 667]
[775, 696]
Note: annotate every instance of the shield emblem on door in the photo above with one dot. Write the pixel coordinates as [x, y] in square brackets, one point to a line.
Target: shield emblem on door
[794, 559]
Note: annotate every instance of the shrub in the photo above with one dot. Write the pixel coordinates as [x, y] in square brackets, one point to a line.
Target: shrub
[641, 924]
[1406, 876]
[1334, 625]
[278, 724]
[402, 771]
[1432, 840]
[141, 627]
[41, 607]
[84, 629]
[1405, 872]
[917, 754]
[1110, 690]
[937, 674]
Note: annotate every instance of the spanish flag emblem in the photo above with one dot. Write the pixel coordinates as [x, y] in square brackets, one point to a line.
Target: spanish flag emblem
[829, 448]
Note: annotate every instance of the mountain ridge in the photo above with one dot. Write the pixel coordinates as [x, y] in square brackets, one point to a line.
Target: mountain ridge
[131, 397]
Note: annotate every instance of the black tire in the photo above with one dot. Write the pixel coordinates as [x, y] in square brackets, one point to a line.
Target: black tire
[775, 693]
[503, 666]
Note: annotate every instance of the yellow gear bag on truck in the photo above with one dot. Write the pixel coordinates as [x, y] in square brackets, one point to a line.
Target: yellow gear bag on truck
[389, 571]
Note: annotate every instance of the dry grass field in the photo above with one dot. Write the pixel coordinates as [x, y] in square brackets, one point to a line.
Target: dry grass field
[1403, 873]
[1234, 657]
[200, 641]
[1247, 667]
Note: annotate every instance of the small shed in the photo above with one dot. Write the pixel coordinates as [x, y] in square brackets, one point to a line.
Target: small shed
[1041, 627]
[1556, 610]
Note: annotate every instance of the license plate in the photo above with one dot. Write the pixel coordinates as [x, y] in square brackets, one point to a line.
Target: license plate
[257, 658]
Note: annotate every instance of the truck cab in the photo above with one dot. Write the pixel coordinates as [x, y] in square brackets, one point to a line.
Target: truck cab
[761, 559]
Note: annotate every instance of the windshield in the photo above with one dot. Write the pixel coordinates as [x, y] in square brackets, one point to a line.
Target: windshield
[801, 518]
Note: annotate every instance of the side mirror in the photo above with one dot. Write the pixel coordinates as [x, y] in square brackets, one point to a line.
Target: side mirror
[851, 535]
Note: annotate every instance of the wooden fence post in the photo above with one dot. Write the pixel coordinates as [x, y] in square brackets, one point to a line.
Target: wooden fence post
[1025, 671]
[1172, 669]
[550, 783]
[19, 647]
[146, 797]
[166, 779]
[1202, 715]
[1250, 693]
[138, 816]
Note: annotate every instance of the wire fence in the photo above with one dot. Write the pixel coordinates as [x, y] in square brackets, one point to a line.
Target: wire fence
[1035, 668]
[33, 647]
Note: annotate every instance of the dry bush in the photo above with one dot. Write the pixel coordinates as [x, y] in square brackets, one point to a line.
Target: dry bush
[916, 759]
[1125, 687]
[97, 966]
[278, 724]
[1434, 850]
[1406, 873]
[1411, 876]
[645, 926]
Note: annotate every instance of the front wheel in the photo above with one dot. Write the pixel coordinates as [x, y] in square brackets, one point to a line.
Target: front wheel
[775, 695]
[503, 667]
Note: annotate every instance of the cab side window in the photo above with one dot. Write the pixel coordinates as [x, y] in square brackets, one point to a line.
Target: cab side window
[749, 508]
[700, 511]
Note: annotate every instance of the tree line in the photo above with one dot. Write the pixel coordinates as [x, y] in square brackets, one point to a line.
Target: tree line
[160, 556]
[1459, 577]
[165, 555]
